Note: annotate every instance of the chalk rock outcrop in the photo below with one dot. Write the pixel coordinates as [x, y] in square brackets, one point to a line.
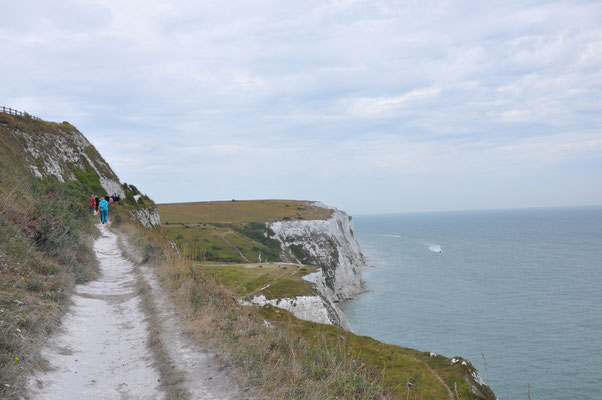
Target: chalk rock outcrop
[148, 217]
[309, 308]
[329, 244]
[55, 151]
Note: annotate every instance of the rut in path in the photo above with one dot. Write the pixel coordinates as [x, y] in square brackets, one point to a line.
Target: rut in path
[102, 352]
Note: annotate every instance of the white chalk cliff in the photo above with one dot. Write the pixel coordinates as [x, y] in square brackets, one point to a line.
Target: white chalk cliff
[148, 217]
[55, 151]
[51, 153]
[330, 245]
[309, 308]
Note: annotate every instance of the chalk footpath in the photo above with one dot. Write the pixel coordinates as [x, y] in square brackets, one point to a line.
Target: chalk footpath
[101, 350]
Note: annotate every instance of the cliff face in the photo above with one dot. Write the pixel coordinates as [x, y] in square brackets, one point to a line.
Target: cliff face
[309, 308]
[50, 149]
[57, 150]
[148, 217]
[329, 244]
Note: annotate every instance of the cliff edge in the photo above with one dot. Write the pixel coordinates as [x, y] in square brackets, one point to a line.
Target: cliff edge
[329, 244]
[313, 245]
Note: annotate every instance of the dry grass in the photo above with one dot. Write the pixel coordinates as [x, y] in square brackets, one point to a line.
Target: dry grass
[240, 211]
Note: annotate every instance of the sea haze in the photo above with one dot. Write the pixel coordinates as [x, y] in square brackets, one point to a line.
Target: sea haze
[523, 287]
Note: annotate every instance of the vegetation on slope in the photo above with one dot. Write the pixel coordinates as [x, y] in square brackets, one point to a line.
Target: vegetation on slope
[274, 281]
[232, 231]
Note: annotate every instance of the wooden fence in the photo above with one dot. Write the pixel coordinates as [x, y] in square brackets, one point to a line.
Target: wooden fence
[12, 111]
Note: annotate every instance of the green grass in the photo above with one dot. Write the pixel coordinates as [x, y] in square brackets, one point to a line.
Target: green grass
[225, 242]
[211, 243]
[384, 365]
[248, 280]
[232, 231]
[240, 211]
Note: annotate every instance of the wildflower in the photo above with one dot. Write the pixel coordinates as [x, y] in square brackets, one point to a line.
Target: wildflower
[26, 355]
[22, 278]
[17, 358]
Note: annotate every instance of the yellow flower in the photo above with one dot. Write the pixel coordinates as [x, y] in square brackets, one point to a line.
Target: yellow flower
[22, 278]
[26, 355]
[17, 358]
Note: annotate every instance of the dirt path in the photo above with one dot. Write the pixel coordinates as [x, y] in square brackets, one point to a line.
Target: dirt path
[449, 391]
[102, 350]
[223, 236]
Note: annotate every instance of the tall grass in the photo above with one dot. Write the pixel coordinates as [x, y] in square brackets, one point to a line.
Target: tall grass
[272, 359]
[45, 250]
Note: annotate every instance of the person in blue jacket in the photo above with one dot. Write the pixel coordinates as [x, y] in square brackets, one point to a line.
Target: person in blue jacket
[103, 206]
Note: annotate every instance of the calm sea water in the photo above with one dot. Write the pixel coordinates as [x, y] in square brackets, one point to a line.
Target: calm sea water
[523, 287]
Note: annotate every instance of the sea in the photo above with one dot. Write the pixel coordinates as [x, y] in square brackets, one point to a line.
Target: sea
[517, 292]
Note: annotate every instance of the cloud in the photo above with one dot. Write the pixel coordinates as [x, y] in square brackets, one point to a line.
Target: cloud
[379, 106]
[317, 94]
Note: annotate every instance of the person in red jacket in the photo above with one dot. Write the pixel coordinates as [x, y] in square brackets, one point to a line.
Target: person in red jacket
[92, 200]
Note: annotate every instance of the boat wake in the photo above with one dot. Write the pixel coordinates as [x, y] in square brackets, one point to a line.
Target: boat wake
[435, 248]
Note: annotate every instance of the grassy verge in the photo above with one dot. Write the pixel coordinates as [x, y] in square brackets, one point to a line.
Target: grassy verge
[45, 249]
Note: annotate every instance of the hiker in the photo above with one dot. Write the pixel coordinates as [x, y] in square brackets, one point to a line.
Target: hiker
[111, 199]
[104, 210]
[97, 200]
[92, 201]
[116, 198]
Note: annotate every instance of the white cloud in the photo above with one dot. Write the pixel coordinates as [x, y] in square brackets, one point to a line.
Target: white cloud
[319, 93]
[378, 106]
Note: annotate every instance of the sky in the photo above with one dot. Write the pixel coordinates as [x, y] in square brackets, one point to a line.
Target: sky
[373, 106]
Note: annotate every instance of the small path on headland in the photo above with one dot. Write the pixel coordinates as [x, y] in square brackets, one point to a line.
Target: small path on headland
[449, 391]
[102, 350]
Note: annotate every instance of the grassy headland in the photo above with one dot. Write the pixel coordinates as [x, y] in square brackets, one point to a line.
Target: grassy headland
[278, 354]
[240, 211]
[232, 231]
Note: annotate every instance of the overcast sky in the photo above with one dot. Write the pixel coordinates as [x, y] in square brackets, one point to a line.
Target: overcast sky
[371, 106]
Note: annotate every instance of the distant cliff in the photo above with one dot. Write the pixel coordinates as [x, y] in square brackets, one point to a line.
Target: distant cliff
[317, 238]
[329, 244]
